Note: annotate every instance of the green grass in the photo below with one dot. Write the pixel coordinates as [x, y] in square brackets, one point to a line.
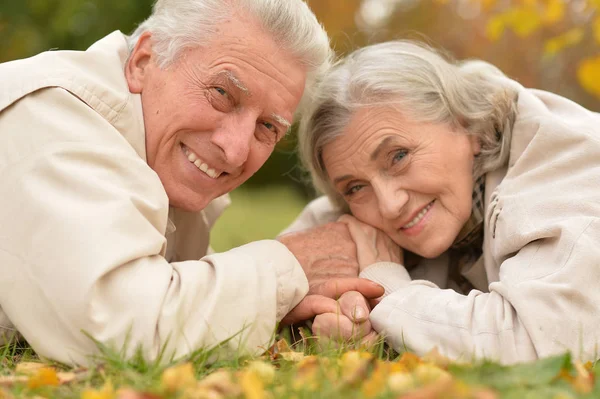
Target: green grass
[256, 214]
[312, 372]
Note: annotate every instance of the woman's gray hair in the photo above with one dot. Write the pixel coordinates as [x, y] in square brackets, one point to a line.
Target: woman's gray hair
[421, 84]
[177, 25]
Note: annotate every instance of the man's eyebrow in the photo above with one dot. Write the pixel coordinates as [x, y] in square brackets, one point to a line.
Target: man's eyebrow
[281, 120]
[380, 147]
[236, 82]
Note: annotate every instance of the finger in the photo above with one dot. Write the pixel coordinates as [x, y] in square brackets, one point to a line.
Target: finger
[335, 288]
[375, 302]
[339, 327]
[309, 307]
[354, 306]
[370, 339]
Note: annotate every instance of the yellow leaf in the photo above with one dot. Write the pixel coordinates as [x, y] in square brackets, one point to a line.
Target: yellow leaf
[376, 383]
[292, 356]
[264, 371]
[29, 368]
[409, 360]
[10, 380]
[43, 377]
[252, 386]
[401, 382]
[584, 380]
[588, 75]
[216, 385]
[524, 21]
[107, 392]
[354, 366]
[559, 43]
[428, 373]
[5, 394]
[178, 377]
[495, 27]
[553, 12]
[596, 28]
[435, 357]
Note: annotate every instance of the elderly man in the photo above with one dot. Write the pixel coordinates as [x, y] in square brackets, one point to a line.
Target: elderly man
[114, 164]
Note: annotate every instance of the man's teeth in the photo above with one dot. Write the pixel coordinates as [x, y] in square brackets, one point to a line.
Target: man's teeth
[417, 218]
[193, 158]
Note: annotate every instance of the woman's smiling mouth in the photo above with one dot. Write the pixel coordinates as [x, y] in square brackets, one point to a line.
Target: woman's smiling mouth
[415, 221]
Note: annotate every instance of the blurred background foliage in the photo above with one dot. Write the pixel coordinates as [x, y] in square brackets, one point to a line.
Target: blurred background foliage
[547, 44]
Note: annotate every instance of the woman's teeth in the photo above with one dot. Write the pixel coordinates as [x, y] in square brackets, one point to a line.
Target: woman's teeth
[418, 218]
[193, 158]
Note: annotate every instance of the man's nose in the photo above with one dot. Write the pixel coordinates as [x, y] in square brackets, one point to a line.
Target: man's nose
[235, 140]
[391, 200]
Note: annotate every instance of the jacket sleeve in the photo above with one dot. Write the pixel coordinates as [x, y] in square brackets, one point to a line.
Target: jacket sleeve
[544, 228]
[82, 225]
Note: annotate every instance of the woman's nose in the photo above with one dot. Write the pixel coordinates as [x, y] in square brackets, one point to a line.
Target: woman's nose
[391, 200]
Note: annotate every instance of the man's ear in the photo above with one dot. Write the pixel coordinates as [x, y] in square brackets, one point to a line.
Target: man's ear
[139, 62]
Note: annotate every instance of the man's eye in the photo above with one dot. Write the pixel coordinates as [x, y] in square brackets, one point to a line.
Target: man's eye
[270, 127]
[221, 91]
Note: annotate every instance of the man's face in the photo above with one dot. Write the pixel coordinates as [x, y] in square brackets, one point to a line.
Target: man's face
[213, 117]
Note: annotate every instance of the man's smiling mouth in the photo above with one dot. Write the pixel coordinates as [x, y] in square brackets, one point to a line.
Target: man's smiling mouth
[200, 164]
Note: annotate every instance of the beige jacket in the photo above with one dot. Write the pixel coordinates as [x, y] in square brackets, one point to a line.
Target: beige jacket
[88, 244]
[539, 277]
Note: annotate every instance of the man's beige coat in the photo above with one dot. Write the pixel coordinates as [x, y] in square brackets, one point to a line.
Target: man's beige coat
[88, 244]
[538, 281]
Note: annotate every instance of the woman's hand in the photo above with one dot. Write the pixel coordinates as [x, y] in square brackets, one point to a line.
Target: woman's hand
[349, 323]
[372, 245]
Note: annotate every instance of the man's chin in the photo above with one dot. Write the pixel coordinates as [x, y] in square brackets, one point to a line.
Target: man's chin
[190, 203]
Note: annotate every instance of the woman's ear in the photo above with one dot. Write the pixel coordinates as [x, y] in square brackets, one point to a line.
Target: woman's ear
[139, 63]
[475, 144]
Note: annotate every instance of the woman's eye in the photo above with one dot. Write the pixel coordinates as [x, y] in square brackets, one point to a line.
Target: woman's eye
[398, 156]
[353, 190]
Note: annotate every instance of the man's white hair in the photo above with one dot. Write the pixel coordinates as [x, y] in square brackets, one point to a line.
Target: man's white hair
[177, 25]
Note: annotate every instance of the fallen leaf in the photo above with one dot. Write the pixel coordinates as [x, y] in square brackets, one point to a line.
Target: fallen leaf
[178, 378]
[435, 357]
[218, 384]
[292, 356]
[252, 385]
[355, 366]
[106, 392]
[29, 368]
[409, 360]
[428, 374]
[264, 371]
[6, 395]
[132, 394]
[43, 377]
[584, 380]
[10, 380]
[401, 382]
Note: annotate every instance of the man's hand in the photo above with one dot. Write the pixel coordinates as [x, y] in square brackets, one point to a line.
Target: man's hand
[327, 255]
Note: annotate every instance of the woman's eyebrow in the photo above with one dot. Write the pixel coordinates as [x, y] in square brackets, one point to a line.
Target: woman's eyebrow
[337, 180]
[384, 143]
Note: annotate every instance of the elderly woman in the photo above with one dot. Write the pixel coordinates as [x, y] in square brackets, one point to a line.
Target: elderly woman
[474, 201]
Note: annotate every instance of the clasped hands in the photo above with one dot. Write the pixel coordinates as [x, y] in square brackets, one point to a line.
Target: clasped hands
[332, 256]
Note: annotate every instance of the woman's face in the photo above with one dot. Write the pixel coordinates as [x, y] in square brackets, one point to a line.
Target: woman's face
[412, 180]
